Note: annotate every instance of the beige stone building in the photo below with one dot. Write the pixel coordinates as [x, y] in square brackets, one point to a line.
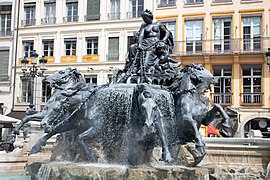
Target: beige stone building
[7, 53]
[230, 38]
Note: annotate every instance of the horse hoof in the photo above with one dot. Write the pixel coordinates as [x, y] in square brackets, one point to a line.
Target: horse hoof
[225, 131]
[166, 158]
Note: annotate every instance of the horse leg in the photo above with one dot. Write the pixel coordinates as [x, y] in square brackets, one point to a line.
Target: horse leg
[166, 155]
[34, 117]
[225, 129]
[199, 144]
[41, 142]
[89, 133]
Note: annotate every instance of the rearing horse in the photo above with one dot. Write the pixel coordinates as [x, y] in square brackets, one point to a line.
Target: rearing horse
[192, 108]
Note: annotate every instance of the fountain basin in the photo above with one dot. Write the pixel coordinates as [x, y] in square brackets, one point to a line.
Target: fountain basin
[70, 170]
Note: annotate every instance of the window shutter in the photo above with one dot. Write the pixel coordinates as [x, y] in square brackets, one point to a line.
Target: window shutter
[4, 59]
[93, 9]
[114, 45]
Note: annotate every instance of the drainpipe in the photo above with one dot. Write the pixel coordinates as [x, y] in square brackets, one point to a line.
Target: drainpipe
[15, 45]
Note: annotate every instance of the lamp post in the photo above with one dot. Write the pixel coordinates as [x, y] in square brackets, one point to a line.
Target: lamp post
[32, 72]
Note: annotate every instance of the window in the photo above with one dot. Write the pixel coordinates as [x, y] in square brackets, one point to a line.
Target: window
[49, 13]
[26, 90]
[136, 7]
[171, 27]
[4, 60]
[72, 12]
[91, 79]
[46, 92]
[130, 40]
[48, 46]
[222, 90]
[93, 10]
[70, 44]
[5, 20]
[252, 33]
[28, 47]
[194, 36]
[92, 46]
[167, 3]
[222, 34]
[252, 81]
[113, 48]
[193, 1]
[29, 13]
[115, 10]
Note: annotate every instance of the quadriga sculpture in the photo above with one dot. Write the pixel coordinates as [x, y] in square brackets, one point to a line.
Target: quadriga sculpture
[163, 107]
[134, 117]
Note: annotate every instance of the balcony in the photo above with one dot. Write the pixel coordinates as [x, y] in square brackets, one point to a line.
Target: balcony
[167, 3]
[114, 16]
[28, 22]
[70, 19]
[92, 17]
[221, 46]
[5, 33]
[50, 20]
[112, 57]
[131, 15]
[251, 98]
[222, 98]
[193, 2]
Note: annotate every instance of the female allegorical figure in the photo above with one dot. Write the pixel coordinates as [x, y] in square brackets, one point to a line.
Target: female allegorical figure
[149, 34]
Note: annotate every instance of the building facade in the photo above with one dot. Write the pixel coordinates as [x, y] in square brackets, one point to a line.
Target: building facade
[229, 37]
[90, 35]
[7, 53]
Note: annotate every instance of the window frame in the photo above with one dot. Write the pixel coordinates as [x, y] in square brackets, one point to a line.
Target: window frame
[90, 50]
[73, 46]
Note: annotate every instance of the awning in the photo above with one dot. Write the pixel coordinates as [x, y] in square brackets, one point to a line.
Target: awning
[7, 120]
[17, 114]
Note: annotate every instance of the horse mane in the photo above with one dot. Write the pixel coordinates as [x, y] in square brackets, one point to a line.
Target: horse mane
[192, 70]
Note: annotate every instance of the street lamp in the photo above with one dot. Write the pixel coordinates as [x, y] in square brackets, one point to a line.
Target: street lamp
[267, 55]
[33, 72]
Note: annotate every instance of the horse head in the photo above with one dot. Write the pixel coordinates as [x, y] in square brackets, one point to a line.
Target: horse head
[147, 105]
[200, 77]
[64, 79]
[56, 112]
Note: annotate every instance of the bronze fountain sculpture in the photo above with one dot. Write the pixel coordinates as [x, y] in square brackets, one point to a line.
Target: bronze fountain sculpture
[151, 102]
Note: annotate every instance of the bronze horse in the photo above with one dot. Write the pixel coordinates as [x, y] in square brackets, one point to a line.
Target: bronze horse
[146, 115]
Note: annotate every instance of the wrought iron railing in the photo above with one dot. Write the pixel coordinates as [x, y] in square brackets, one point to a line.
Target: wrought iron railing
[167, 3]
[49, 20]
[4, 78]
[222, 98]
[28, 22]
[5, 33]
[71, 19]
[251, 98]
[112, 57]
[221, 46]
[131, 15]
[92, 17]
[114, 16]
[23, 99]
